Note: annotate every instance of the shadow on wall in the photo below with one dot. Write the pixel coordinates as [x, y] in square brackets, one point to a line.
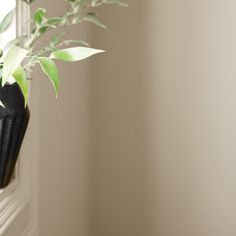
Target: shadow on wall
[119, 133]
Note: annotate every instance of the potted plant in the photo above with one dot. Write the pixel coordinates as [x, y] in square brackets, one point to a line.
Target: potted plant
[19, 57]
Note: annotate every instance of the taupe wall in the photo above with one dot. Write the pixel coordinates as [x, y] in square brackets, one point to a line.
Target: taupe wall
[192, 117]
[119, 124]
[164, 120]
[152, 151]
[63, 144]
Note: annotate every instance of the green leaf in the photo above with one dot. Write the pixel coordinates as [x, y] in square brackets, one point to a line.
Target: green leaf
[93, 19]
[75, 53]
[39, 15]
[55, 21]
[43, 29]
[56, 39]
[20, 77]
[50, 69]
[74, 42]
[82, 3]
[14, 57]
[51, 23]
[7, 21]
[115, 2]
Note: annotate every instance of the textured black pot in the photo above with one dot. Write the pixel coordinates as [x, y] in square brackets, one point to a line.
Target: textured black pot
[13, 124]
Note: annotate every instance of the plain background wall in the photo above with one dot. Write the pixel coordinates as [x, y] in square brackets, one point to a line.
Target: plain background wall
[63, 143]
[142, 140]
[119, 161]
[92, 167]
[164, 120]
[192, 81]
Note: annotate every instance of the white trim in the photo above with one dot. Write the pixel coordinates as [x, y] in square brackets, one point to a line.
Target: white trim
[10, 208]
[10, 214]
[18, 201]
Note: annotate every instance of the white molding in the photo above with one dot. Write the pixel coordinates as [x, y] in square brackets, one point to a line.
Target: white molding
[10, 214]
[17, 202]
[10, 208]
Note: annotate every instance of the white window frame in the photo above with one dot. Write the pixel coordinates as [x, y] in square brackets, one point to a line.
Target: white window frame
[18, 205]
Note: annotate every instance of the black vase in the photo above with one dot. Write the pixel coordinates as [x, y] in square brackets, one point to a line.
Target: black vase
[13, 124]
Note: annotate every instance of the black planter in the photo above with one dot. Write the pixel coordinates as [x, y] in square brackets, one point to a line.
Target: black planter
[13, 124]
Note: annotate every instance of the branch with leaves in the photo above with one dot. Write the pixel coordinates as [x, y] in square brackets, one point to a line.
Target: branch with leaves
[20, 56]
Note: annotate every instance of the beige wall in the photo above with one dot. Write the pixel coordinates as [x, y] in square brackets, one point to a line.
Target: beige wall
[63, 144]
[119, 124]
[153, 149]
[192, 117]
[164, 120]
